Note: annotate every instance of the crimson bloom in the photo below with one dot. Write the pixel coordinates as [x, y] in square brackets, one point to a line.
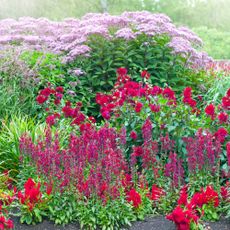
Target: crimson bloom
[221, 134]
[32, 194]
[224, 193]
[169, 93]
[223, 117]
[5, 224]
[138, 107]
[210, 111]
[182, 218]
[133, 135]
[134, 197]
[59, 89]
[226, 102]
[51, 120]
[156, 193]
[122, 71]
[145, 74]
[228, 152]
[41, 99]
[156, 90]
[155, 108]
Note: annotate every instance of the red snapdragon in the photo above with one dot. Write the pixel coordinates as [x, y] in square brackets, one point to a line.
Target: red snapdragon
[134, 197]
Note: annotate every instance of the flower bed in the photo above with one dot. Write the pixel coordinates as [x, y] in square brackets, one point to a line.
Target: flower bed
[104, 148]
[141, 161]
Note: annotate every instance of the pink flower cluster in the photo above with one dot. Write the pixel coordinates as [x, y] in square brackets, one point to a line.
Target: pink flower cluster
[69, 36]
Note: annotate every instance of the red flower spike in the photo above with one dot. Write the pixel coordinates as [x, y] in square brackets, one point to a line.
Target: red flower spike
[133, 135]
[145, 74]
[134, 197]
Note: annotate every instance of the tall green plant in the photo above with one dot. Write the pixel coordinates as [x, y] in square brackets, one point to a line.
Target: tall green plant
[10, 133]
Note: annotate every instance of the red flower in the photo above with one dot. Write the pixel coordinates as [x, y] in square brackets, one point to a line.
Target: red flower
[223, 117]
[189, 101]
[228, 93]
[59, 89]
[105, 114]
[59, 96]
[224, 193]
[49, 188]
[32, 194]
[145, 74]
[187, 92]
[138, 107]
[226, 103]
[183, 200]
[228, 152]
[210, 110]
[46, 92]
[133, 135]
[122, 71]
[156, 90]
[51, 120]
[221, 134]
[169, 93]
[127, 182]
[200, 98]
[9, 224]
[41, 99]
[156, 193]
[57, 101]
[155, 108]
[5, 224]
[209, 196]
[212, 196]
[182, 218]
[134, 197]
[137, 151]
[92, 119]
[102, 99]
[68, 111]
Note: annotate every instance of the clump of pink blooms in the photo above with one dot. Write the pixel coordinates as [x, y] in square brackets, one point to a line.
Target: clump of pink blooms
[69, 37]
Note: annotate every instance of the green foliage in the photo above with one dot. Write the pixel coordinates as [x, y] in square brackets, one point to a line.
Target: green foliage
[210, 212]
[217, 89]
[111, 215]
[15, 98]
[11, 131]
[47, 65]
[32, 217]
[63, 208]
